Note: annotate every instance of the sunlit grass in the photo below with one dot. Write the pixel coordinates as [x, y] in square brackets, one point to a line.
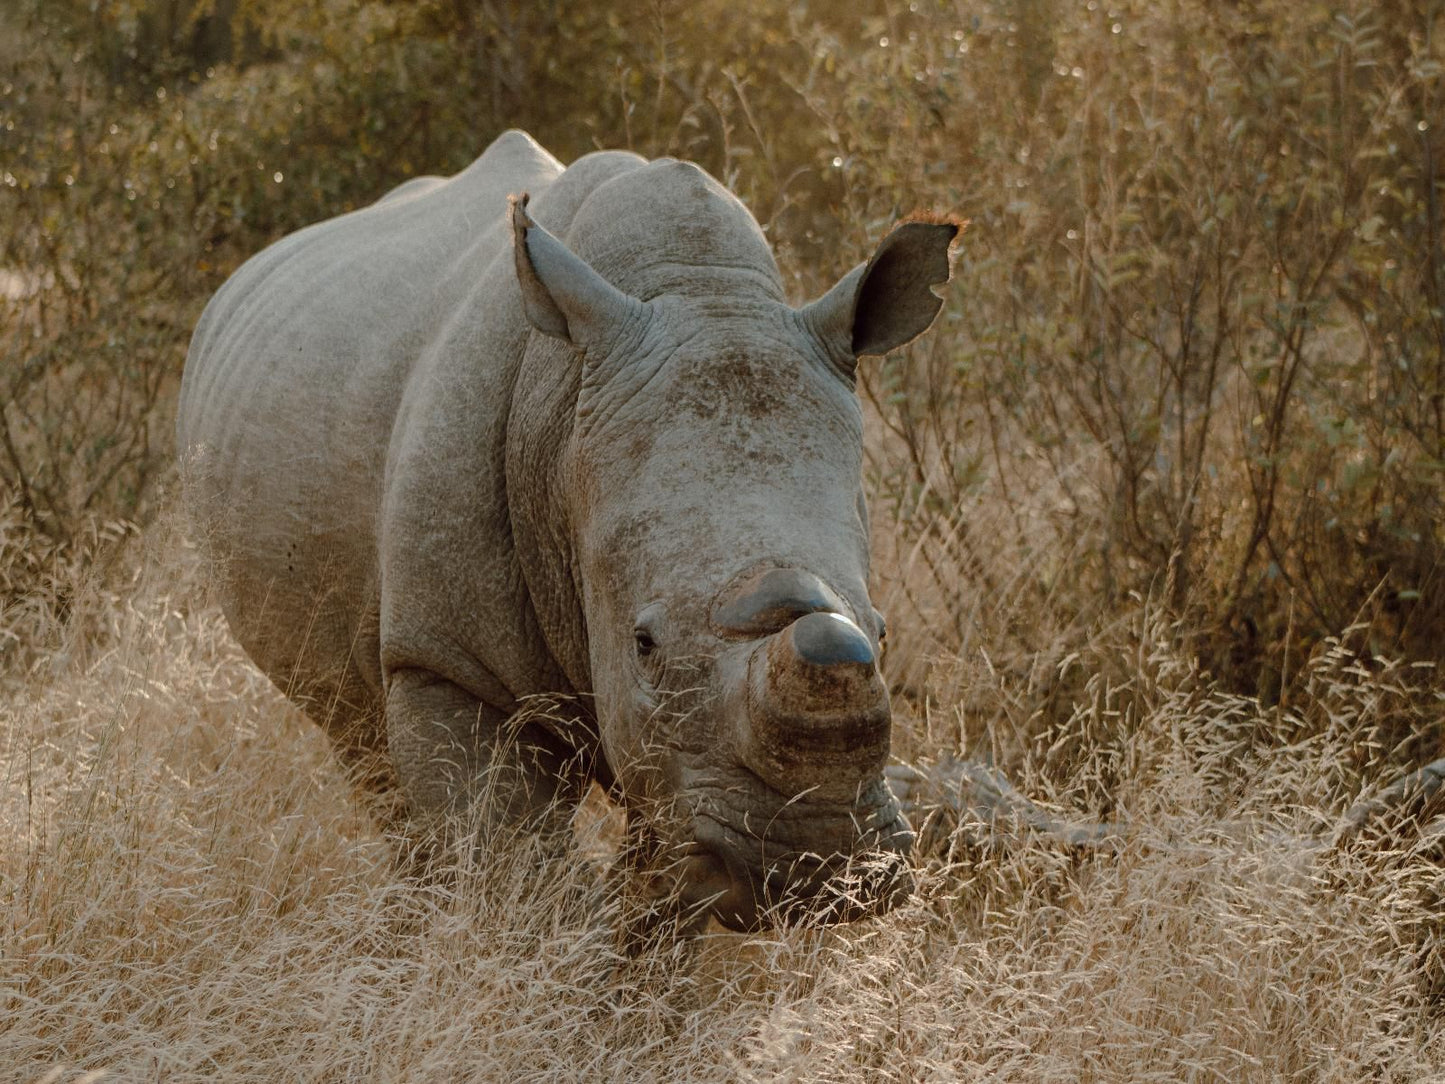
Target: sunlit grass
[1155, 514]
[188, 891]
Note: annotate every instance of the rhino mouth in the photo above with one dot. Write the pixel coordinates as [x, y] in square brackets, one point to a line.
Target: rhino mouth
[822, 866]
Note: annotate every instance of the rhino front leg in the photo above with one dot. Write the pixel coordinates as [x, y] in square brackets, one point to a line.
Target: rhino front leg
[462, 765]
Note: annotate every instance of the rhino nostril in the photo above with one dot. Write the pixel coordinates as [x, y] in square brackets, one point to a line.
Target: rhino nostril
[829, 639]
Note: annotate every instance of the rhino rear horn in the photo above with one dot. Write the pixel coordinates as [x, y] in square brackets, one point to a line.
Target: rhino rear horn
[562, 295]
[890, 300]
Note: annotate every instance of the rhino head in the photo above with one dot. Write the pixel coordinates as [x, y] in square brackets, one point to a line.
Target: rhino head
[720, 557]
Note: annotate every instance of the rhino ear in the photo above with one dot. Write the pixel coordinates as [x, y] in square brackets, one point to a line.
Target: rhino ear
[888, 301]
[561, 293]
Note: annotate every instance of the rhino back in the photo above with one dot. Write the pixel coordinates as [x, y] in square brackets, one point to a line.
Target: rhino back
[289, 407]
[465, 604]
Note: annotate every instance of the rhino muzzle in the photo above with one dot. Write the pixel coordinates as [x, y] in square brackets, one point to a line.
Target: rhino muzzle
[802, 886]
[794, 859]
[822, 839]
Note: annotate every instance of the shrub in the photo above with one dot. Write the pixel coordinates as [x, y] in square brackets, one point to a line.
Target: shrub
[1194, 353]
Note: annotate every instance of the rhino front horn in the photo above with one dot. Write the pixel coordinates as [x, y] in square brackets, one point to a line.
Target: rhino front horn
[817, 708]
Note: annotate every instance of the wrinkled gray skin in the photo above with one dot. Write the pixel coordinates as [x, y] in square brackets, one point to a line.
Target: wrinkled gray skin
[448, 454]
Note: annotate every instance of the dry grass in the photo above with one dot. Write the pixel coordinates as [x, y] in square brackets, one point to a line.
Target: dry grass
[1173, 417]
[189, 892]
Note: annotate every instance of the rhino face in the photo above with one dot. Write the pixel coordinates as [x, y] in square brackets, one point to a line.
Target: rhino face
[721, 540]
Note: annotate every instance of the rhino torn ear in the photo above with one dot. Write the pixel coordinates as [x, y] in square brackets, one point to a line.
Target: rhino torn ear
[561, 293]
[889, 301]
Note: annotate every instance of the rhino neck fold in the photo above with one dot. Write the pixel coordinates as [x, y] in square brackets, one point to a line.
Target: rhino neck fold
[539, 429]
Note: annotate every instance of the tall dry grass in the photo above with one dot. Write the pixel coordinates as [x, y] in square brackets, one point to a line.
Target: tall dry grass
[1156, 522]
[188, 891]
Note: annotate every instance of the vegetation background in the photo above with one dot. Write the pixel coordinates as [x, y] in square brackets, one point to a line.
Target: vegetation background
[1158, 516]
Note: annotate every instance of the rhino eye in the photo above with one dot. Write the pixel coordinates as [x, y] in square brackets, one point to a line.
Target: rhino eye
[882, 623]
[646, 645]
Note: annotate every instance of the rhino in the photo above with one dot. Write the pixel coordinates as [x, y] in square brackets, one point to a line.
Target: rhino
[534, 434]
